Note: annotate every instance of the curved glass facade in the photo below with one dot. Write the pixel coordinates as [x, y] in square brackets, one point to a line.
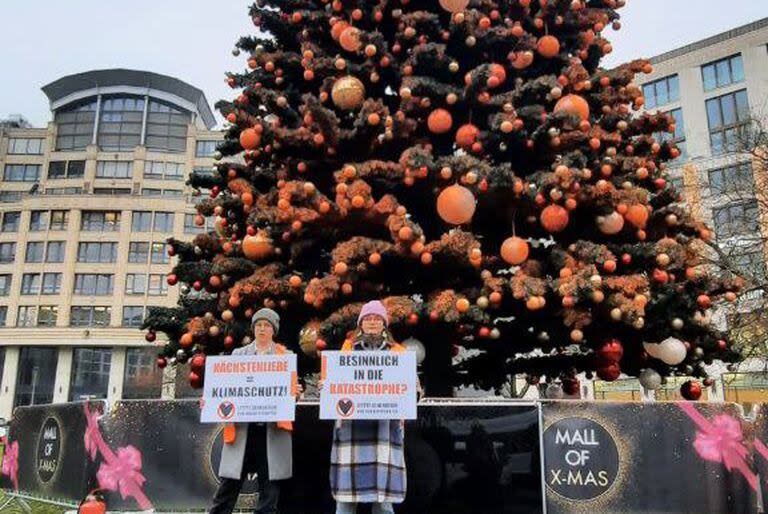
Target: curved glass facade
[75, 125]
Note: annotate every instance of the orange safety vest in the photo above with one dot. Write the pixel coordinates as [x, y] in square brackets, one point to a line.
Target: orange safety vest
[230, 434]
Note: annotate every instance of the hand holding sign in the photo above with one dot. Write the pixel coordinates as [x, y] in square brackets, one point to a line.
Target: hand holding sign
[369, 385]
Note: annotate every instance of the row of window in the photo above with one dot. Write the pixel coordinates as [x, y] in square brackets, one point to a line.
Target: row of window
[95, 284]
[104, 169]
[40, 221]
[714, 75]
[89, 252]
[91, 367]
[79, 315]
[34, 146]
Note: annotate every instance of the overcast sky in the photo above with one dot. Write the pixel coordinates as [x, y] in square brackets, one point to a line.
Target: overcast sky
[41, 41]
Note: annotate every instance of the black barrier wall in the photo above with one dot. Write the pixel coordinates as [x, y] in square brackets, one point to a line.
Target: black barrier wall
[461, 458]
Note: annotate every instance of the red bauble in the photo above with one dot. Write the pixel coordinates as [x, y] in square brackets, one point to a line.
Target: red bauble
[554, 218]
[197, 285]
[197, 363]
[162, 362]
[609, 373]
[691, 390]
[571, 386]
[172, 279]
[466, 136]
[195, 380]
[611, 351]
[439, 121]
[150, 337]
[574, 105]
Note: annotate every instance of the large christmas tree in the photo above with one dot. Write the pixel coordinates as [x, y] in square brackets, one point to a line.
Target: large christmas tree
[466, 161]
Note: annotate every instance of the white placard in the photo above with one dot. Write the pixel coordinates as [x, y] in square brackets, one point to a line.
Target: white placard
[369, 385]
[248, 388]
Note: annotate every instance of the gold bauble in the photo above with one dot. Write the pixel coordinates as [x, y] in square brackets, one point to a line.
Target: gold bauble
[454, 6]
[348, 93]
[308, 337]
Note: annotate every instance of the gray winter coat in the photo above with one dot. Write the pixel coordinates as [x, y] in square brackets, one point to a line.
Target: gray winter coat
[279, 445]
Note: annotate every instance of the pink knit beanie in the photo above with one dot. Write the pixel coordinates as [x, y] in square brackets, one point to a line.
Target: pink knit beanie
[374, 307]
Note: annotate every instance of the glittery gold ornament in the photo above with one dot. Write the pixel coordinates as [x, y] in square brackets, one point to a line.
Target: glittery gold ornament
[348, 93]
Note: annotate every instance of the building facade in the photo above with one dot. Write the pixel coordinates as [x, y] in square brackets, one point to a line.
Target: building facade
[86, 205]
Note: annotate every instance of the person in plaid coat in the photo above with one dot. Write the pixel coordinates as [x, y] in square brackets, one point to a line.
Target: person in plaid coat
[367, 457]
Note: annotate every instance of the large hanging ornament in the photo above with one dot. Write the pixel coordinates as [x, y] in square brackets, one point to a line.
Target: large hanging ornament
[691, 390]
[672, 351]
[515, 250]
[348, 93]
[650, 379]
[638, 215]
[554, 218]
[548, 46]
[454, 6]
[466, 136]
[439, 121]
[611, 224]
[574, 105]
[257, 247]
[417, 346]
[308, 336]
[456, 205]
[250, 139]
[350, 39]
[652, 349]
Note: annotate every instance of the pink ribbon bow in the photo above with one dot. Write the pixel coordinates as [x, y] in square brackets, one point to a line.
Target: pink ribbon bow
[123, 473]
[11, 463]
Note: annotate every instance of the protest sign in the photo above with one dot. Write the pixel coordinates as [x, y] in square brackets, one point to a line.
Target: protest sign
[369, 385]
[249, 388]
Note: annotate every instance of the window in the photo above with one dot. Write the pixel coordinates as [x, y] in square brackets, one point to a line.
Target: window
[662, 92]
[25, 146]
[11, 221]
[74, 125]
[142, 378]
[87, 316]
[62, 191]
[190, 227]
[166, 127]
[5, 284]
[114, 169]
[138, 253]
[164, 170]
[66, 169]
[112, 191]
[97, 252]
[678, 138]
[726, 114]
[36, 376]
[10, 196]
[47, 315]
[163, 222]
[159, 254]
[51, 283]
[35, 251]
[750, 264]
[172, 193]
[90, 373]
[30, 284]
[141, 221]
[736, 219]
[55, 251]
[135, 284]
[93, 284]
[723, 72]
[147, 191]
[133, 316]
[120, 123]
[21, 173]
[7, 252]
[27, 316]
[3, 315]
[158, 286]
[59, 220]
[205, 148]
[100, 221]
[38, 221]
[732, 179]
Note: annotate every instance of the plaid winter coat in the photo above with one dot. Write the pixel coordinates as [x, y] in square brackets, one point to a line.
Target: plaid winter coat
[368, 459]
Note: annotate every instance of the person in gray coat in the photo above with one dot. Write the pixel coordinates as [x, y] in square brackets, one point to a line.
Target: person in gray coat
[263, 448]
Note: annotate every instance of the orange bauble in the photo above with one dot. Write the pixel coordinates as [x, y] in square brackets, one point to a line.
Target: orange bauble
[637, 215]
[454, 6]
[549, 47]
[350, 39]
[554, 218]
[467, 135]
[338, 28]
[439, 121]
[575, 105]
[257, 247]
[348, 93]
[456, 205]
[250, 139]
[514, 250]
[498, 71]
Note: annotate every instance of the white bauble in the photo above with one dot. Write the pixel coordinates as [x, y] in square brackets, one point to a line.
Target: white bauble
[672, 351]
[417, 346]
[652, 349]
[650, 379]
